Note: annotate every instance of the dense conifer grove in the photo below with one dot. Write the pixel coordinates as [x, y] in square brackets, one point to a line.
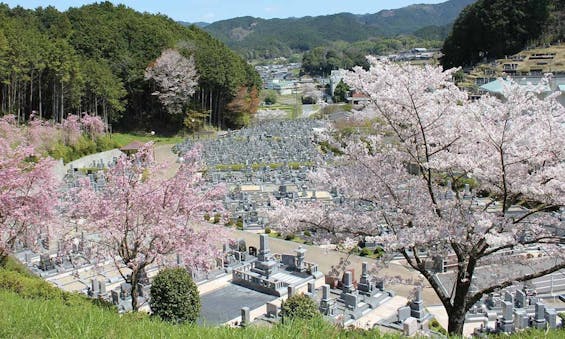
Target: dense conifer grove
[93, 58]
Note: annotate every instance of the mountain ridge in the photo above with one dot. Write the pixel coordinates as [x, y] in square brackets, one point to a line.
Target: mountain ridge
[257, 37]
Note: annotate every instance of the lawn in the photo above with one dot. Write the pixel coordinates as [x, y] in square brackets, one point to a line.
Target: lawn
[123, 139]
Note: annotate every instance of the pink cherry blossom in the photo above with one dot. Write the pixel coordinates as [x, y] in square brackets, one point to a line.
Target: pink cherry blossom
[140, 219]
[430, 137]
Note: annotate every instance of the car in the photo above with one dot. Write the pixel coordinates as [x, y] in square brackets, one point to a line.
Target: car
[562, 297]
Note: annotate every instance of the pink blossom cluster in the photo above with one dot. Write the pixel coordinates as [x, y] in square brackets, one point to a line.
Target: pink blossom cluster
[140, 218]
[27, 189]
[403, 184]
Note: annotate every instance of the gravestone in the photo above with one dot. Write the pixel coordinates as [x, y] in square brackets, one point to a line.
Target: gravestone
[410, 327]
[350, 301]
[539, 316]
[365, 287]
[550, 316]
[417, 305]
[102, 287]
[300, 251]
[521, 319]
[272, 310]
[115, 297]
[403, 313]
[291, 291]
[311, 288]
[326, 303]
[508, 297]
[507, 323]
[521, 301]
[94, 287]
[348, 282]
[245, 317]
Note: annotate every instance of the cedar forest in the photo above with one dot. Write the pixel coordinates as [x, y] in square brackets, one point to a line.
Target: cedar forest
[93, 58]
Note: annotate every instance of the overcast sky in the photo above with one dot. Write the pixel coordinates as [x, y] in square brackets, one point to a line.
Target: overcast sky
[215, 10]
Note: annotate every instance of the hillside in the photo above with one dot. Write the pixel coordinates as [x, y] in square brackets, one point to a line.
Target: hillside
[493, 29]
[255, 37]
[32, 308]
[93, 58]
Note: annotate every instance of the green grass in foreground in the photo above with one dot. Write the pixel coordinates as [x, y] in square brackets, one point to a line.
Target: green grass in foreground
[32, 308]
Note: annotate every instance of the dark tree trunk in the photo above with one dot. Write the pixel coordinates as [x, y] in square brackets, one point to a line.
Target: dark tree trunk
[456, 320]
[134, 290]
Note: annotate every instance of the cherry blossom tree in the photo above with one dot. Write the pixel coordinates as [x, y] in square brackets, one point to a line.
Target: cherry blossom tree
[28, 192]
[176, 78]
[403, 182]
[92, 125]
[139, 218]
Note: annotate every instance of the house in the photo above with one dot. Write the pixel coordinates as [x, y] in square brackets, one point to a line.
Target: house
[557, 83]
[358, 98]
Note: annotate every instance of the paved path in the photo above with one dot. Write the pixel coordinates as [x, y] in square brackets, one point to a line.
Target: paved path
[324, 258]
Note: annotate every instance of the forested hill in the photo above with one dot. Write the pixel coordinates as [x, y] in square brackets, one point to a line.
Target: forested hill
[255, 37]
[492, 29]
[93, 58]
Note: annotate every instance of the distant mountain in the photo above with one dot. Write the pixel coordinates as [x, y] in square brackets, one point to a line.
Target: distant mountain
[197, 24]
[256, 37]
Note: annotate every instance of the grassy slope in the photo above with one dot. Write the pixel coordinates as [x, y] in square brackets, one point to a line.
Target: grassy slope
[32, 308]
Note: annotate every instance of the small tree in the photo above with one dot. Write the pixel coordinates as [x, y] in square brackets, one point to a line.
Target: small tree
[27, 189]
[341, 91]
[140, 218]
[299, 306]
[270, 97]
[176, 78]
[174, 296]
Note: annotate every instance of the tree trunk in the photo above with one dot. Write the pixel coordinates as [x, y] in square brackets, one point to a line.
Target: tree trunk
[62, 102]
[40, 102]
[456, 320]
[134, 289]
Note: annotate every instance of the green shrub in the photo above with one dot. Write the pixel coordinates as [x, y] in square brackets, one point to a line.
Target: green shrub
[307, 233]
[436, 327]
[174, 296]
[379, 252]
[267, 230]
[289, 236]
[299, 306]
[365, 252]
[28, 286]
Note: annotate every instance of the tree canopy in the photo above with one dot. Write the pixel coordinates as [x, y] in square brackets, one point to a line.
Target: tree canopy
[403, 184]
[491, 29]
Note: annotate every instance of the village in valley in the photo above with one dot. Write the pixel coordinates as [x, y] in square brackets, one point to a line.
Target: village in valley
[398, 198]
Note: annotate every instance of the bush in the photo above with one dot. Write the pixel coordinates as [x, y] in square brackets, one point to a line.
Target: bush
[270, 97]
[267, 230]
[379, 252]
[174, 296]
[365, 252]
[289, 237]
[436, 327]
[299, 306]
[307, 233]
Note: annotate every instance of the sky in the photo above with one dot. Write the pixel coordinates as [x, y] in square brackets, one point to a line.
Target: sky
[215, 10]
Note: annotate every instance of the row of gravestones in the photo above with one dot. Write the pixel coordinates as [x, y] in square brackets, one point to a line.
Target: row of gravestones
[266, 143]
[514, 312]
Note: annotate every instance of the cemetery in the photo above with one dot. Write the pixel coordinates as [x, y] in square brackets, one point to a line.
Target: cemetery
[272, 161]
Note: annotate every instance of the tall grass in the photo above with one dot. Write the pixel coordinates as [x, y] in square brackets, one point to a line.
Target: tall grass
[32, 308]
